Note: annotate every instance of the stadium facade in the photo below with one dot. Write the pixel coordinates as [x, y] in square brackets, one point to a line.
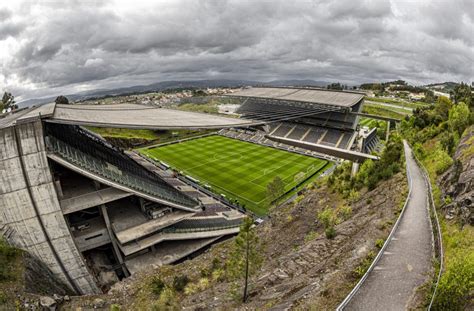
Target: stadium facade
[92, 213]
[95, 214]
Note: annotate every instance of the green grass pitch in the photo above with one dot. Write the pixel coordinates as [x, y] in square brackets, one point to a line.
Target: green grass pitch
[237, 169]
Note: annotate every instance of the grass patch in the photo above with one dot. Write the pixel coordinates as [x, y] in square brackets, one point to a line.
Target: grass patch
[385, 111]
[8, 255]
[237, 169]
[397, 102]
[392, 109]
[124, 133]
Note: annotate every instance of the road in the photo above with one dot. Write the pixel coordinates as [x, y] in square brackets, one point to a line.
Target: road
[406, 262]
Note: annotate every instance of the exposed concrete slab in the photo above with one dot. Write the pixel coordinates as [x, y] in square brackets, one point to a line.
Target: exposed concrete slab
[167, 253]
[91, 199]
[136, 246]
[129, 223]
[95, 236]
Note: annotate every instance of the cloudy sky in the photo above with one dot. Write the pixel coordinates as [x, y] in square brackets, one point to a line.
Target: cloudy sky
[59, 47]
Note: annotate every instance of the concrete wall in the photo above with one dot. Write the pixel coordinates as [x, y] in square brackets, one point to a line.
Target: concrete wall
[30, 207]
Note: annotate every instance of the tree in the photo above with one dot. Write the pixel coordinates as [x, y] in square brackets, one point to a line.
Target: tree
[246, 256]
[442, 107]
[459, 118]
[462, 93]
[275, 189]
[62, 100]
[8, 101]
[335, 86]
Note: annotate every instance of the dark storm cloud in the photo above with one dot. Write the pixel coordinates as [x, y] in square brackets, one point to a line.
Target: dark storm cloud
[69, 46]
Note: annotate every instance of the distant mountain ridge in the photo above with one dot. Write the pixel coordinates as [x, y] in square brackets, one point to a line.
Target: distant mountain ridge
[167, 85]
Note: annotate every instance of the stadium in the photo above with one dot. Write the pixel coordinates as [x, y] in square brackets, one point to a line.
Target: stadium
[94, 213]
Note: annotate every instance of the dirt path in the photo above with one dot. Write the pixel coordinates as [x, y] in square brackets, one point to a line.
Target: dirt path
[406, 262]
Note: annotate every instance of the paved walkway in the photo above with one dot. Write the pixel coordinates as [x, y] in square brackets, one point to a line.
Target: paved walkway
[406, 261]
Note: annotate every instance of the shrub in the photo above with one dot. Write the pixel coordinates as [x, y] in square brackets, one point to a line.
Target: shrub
[327, 217]
[310, 236]
[456, 283]
[379, 243]
[330, 232]
[218, 275]
[114, 307]
[345, 211]
[167, 301]
[157, 286]
[180, 282]
[3, 298]
[8, 255]
[364, 265]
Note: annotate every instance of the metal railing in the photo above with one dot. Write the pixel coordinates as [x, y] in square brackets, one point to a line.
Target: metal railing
[438, 238]
[356, 288]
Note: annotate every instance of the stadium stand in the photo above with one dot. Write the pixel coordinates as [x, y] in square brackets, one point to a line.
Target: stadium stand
[93, 154]
[302, 114]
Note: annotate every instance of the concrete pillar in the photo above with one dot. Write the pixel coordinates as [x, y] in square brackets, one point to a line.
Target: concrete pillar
[118, 255]
[388, 131]
[355, 168]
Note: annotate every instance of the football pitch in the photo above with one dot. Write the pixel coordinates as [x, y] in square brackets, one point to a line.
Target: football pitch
[237, 169]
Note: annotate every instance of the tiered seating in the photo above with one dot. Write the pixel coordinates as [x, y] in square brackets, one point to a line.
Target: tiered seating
[332, 137]
[90, 153]
[345, 140]
[282, 130]
[314, 135]
[298, 132]
[203, 224]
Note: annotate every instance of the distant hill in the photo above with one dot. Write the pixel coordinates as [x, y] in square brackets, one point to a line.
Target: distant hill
[169, 85]
[442, 87]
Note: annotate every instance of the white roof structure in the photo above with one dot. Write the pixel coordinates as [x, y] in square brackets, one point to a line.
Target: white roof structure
[307, 95]
[125, 116]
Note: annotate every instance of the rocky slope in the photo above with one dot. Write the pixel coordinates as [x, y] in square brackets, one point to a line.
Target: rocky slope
[457, 183]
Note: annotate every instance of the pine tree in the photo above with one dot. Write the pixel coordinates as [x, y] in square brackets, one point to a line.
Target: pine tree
[246, 258]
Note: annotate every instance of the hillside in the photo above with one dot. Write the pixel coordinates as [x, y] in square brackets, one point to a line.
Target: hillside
[302, 267]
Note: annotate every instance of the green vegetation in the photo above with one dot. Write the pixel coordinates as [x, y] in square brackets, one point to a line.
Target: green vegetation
[203, 108]
[370, 172]
[275, 189]
[180, 282]
[384, 111]
[364, 265]
[327, 217]
[396, 102]
[156, 136]
[435, 132]
[246, 257]
[124, 133]
[157, 286]
[239, 170]
[8, 101]
[379, 243]
[8, 255]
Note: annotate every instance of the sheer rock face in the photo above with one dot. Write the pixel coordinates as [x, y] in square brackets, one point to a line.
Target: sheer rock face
[457, 184]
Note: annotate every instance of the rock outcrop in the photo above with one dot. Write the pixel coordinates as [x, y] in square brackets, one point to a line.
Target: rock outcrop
[457, 184]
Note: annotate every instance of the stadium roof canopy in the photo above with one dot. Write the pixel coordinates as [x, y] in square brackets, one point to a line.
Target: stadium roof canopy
[124, 116]
[305, 95]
